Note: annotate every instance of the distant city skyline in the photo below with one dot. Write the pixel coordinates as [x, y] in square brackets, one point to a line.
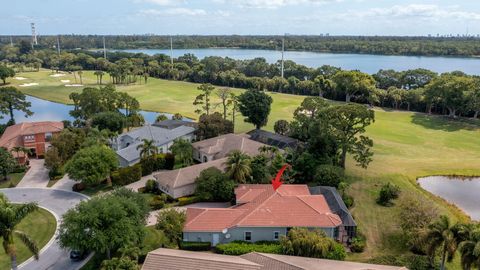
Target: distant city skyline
[242, 17]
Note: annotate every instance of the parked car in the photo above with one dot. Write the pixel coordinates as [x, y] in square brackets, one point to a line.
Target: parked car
[78, 255]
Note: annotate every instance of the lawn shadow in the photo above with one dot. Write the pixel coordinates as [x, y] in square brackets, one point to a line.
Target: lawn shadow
[444, 123]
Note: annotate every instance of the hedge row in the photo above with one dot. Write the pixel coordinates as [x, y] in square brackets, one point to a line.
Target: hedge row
[195, 246]
[188, 200]
[239, 248]
[127, 175]
[146, 166]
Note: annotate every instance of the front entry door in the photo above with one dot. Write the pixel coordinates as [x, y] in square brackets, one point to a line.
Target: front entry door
[216, 239]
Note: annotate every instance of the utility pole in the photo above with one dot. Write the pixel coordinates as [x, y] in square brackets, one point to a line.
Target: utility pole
[283, 52]
[104, 49]
[171, 52]
[58, 45]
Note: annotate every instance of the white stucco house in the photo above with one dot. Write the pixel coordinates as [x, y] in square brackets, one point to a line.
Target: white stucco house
[126, 144]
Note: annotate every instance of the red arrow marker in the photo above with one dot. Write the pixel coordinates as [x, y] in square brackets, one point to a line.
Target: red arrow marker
[277, 182]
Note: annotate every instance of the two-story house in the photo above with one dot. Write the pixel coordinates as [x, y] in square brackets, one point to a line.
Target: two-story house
[126, 144]
[35, 136]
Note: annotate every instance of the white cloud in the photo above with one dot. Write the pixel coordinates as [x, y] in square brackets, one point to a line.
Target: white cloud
[272, 4]
[421, 11]
[174, 11]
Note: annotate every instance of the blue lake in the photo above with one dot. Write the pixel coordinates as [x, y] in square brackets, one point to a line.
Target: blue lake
[44, 110]
[461, 191]
[364, 62]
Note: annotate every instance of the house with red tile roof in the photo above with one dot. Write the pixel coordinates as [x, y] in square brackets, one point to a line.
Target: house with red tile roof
[263, 214]
[32, 135]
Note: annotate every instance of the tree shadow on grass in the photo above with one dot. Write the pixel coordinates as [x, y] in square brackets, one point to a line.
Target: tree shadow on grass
[445, 123]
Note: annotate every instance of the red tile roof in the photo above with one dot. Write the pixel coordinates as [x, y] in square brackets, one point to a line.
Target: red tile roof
[13, 134]
[261, 206]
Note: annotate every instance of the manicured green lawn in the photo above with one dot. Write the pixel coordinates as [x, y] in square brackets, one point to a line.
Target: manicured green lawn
[13, 180]
[156, 95]
[40, 225]
[407, 145]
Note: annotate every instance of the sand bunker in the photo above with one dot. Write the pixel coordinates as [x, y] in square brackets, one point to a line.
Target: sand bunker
[20, 78]
[28, 84]
[65, 81]
[73, 85]
[57, 75]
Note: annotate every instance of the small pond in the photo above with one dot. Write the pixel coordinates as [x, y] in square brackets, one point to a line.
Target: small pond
[464, 192]
[44, 110]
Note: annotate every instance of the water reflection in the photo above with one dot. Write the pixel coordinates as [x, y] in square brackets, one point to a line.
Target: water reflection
[44, 110]
[461, 191]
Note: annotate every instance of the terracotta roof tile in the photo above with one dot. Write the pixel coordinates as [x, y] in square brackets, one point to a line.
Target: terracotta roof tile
[261, 206]
[13, 134]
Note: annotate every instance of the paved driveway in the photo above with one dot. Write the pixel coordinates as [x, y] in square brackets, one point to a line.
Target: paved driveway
[36, 176]
[52, 257]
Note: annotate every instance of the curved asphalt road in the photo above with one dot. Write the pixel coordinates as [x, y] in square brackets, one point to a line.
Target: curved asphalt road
[52, 257]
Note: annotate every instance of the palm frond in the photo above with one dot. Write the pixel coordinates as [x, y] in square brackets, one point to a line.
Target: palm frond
[29, 243]
[23, 210]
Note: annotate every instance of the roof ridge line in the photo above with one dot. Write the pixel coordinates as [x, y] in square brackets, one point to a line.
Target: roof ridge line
[281, 261]
[258, 206]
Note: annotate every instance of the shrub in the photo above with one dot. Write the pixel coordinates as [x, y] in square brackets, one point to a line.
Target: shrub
[328, 175]
[358, 243]
[77, 187]
[151, 186]
[127, 175]
[187, 200]
[195, 246]
[55, 174]
[388, 192]
[311, 243]
[214, 185]
[158, 202]
[169, 161]
[19, 168]
[148, 165]
[348, 200]
[240, 247]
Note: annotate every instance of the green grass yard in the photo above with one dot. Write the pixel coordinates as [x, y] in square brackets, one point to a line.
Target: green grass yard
[13, 180]
[407, 146]
[40, 225]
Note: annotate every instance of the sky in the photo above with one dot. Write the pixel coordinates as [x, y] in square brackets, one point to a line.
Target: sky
[242, 17]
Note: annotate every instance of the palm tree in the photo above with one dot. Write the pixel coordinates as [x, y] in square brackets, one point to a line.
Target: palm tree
[470, 248]
[444, 236]
[269, 150]
[80, 73]
[183, 151]
[10, 217]
[99, 75]
[147, 148]
[238, 166]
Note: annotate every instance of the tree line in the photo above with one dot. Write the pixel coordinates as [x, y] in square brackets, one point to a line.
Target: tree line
[453, 94]
[386, 45]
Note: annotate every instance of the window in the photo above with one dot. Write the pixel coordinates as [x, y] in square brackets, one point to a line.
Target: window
[199, 239]
[29, 138]
[48, 136]
[276, 235]
[248, 236]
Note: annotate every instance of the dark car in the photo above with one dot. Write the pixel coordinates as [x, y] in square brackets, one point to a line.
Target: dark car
[78, 255]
